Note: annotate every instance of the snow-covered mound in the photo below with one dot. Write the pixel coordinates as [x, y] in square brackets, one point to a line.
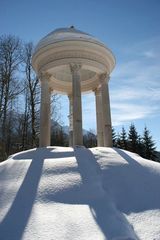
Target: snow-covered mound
[60, 193]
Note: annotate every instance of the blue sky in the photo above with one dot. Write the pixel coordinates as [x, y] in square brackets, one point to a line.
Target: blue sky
[129, 28]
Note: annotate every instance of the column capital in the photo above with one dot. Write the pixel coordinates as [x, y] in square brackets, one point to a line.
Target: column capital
[104, 77]
[97, 91]
[44, 76]
[75, 67]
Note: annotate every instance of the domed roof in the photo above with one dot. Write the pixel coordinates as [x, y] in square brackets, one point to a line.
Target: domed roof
[65, 34]
[62, 47]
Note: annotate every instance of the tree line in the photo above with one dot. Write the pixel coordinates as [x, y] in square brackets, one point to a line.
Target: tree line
[134, 142]
[19, 97]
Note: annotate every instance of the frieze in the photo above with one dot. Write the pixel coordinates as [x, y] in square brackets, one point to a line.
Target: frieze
[77, 54]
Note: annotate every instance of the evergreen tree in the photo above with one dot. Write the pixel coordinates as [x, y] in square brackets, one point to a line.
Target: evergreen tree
[123, 139]
[133, 139]
[114, 137]
[148, 145]
[140, 146]
[118, 141]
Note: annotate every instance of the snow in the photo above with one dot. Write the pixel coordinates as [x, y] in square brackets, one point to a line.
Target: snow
[58, 193]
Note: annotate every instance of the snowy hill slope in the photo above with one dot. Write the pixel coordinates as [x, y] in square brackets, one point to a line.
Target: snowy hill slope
[59, 193]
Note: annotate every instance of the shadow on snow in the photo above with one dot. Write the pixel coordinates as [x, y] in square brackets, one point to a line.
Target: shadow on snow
[15, 221]
[93, 192]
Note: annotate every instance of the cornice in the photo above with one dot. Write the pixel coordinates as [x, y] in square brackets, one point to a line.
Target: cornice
[73, 55]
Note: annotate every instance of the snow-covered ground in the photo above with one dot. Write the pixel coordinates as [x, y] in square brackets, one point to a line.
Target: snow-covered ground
[60, 193]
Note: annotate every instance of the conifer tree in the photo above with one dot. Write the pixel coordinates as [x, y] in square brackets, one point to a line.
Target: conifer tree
[118, 141]
[140, 146]
[123, 139]
[148, 145]
[133, 139]
[114, 137]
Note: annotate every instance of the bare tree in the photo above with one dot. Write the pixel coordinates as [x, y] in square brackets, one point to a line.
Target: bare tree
[32, 92]
[19, 128]
[10, 60]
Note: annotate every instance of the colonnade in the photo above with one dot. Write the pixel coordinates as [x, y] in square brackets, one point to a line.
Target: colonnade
[103, 114]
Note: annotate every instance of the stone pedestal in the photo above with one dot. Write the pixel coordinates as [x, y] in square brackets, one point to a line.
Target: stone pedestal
[77, 108]
[106, 113]
[45, 112]
[100, 138]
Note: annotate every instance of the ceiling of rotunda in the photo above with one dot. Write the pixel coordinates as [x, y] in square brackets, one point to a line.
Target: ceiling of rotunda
[65, 74]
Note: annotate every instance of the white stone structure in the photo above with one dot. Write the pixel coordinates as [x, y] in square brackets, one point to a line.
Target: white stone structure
[70, 62]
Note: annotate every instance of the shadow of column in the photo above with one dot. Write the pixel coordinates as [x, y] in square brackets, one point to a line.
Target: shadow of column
[111, 221]
[13, 225]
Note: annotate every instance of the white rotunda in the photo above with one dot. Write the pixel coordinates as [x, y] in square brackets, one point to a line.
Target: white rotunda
[70, 61]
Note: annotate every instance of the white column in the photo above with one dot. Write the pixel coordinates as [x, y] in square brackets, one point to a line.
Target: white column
[70, 120]
[77, 106]
[100, 141]
[45, 111]
[106, 113]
